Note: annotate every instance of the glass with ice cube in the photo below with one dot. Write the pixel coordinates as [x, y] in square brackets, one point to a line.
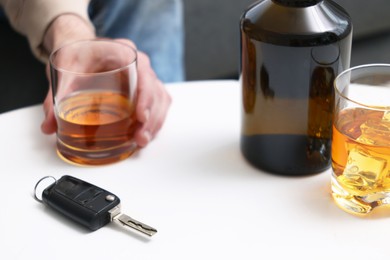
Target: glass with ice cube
[361, 139]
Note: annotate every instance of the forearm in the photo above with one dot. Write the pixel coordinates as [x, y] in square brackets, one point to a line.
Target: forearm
[64, 29]
[32, 18]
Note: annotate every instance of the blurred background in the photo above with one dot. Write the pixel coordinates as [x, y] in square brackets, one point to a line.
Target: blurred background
[211, 46]
[212, 35]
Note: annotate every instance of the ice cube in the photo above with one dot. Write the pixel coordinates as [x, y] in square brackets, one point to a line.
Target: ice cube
[364, 171]
[386, 116]
[376, 132]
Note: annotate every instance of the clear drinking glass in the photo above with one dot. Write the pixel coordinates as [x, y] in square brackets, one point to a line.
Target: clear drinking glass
[361, 139]
[94, 84]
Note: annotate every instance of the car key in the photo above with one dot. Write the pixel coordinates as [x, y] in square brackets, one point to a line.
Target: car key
[87, 204]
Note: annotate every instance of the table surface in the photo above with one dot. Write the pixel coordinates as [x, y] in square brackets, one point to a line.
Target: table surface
[191, 183]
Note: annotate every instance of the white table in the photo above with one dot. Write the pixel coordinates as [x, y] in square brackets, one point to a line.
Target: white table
[191, 183]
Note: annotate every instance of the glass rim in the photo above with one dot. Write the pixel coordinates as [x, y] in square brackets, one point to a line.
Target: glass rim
[355, 68]
[120, 68]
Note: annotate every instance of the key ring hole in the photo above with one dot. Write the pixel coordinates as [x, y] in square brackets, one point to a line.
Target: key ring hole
[41, 185]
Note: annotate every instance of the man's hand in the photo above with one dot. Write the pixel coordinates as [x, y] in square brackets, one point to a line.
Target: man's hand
[153, 99]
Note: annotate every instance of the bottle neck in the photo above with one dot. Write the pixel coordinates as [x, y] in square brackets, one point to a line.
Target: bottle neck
[297, 3]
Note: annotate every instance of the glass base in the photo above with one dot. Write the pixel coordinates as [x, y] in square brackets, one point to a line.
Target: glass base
[95, 157]
[358, 205]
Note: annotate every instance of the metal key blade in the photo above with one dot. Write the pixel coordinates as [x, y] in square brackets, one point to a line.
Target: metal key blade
[127, 221]
[132, 223]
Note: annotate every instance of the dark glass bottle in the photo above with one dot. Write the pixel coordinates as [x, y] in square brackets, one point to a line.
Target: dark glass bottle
[291, 51]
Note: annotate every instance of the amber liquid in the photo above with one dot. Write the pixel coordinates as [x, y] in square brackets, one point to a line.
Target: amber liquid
[361, 159]
[95, 128]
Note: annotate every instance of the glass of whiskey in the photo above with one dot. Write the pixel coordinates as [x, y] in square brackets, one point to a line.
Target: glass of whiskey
[94, 86]
[361, 139]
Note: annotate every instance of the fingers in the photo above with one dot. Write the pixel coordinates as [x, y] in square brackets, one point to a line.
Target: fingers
[128, 42]
[49, 125]
[153, 102]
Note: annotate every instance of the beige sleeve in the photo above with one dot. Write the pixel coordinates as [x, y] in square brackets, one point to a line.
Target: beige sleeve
[32, 17]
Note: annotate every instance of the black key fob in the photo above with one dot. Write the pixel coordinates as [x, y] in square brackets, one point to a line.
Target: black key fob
[81, 201]
[87, 204]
